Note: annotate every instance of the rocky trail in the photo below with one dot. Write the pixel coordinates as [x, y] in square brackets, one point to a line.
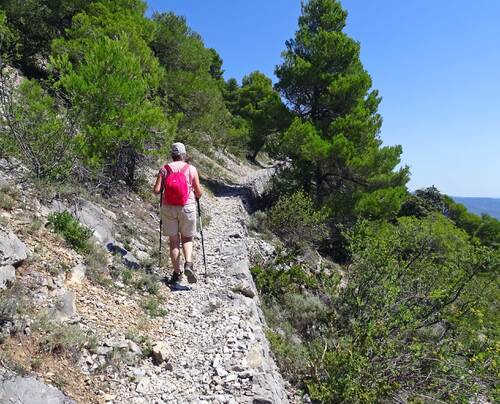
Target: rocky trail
[209, 344]
[214, 338]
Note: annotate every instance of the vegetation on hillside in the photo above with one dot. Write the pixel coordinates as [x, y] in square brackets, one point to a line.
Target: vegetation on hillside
[410, 316]
[409, 313]
[115, 87]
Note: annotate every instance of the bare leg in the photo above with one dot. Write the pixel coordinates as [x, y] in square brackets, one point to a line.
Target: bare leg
[175, 253]
[187, 248]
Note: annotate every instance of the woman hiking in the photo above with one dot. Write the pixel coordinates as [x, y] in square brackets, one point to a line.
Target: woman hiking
[180, 185]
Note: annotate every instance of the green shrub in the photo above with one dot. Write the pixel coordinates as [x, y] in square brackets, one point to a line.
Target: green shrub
[12, 304]
[142, 340]
[6, 202]
[290, 333]
[152, 306]
[148, 283]
[9, 39]
[67, 339]
[306, 312]
[292, 356]
[427, 200]
[96, 260]
[416, 311]
[36, 363]
[296, 221]
[35, 225]
[60, 338]
[8, 197]
[110, 92]
[414, 320]
[38, 132]
[70, 228]
[259, 223]
[127, 276]
[278, 281]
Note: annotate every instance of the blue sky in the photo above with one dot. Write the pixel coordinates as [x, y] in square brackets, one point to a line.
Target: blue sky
[435, 63]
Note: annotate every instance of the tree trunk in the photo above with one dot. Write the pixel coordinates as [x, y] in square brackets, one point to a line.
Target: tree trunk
[318, 178]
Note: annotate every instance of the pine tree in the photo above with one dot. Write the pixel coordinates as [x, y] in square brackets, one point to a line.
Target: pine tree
[260, 105]
[334, 139]
[191, 87]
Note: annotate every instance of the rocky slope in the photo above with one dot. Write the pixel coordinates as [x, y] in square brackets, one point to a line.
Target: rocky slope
[128, 338]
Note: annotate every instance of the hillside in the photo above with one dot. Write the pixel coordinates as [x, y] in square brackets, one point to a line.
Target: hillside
[490, 206]
[128, 338]
[328, 281]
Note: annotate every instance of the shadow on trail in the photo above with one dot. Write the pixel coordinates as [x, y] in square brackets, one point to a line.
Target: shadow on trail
[220, 189]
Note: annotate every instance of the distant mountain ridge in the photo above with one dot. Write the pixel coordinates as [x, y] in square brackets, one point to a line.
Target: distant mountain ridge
[491, 206]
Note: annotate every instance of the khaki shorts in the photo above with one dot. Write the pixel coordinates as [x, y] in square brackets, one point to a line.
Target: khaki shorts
[179, 219]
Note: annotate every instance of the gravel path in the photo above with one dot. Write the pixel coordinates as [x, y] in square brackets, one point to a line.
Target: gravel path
[209, 347]
[217, 350]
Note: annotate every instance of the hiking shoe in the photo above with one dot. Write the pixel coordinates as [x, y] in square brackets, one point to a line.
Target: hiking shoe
[189, 271]
[176, 277]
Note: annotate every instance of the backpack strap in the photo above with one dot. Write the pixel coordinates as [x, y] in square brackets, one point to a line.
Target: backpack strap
[168, 168]
[186, 169]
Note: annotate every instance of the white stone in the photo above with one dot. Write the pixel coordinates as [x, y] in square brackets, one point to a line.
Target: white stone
[221, 372]
[143, 386]
[31, 390]
[161, 351]
[7, 276]
[231, 377]
[217, 360]
[133, 347]
[65, 307]
[77, 274]
[12, 250]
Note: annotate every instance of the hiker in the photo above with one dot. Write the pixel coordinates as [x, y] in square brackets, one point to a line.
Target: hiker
[180, 184]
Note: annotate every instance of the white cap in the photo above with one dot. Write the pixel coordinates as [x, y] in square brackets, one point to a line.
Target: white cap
[177, 149]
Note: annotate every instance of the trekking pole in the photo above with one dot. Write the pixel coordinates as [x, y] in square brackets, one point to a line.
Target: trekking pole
[161, 222]
[202, 239]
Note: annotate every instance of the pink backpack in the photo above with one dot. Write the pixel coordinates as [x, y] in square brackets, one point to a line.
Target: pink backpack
[175, 187]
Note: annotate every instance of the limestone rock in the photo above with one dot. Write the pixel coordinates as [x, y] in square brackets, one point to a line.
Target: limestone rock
[254, 357]
[161, 352]
[245, 289]
[143, 386]
[262, 400]
[134, 348]
[12, 250]
[103, 350]
[7, 276]
[65, 307]
[221, 372]
[258, 184]
[22, 390]
[77, 274]
[142, 256]
[138, 372]
[312, 259]
[95, 217]
[128, 259]
[3, 181]
[98, 219]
